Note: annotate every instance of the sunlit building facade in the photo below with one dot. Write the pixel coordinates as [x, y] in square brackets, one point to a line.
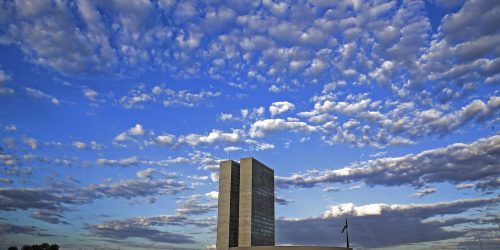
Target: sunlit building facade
[246, 204]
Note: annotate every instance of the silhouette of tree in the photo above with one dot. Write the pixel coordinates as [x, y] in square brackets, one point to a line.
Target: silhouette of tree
[43, 246]
[12, 248]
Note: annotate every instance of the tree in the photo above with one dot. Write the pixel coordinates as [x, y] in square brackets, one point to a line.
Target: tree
[43, 246]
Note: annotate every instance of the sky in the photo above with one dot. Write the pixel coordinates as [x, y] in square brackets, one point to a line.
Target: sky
[115, 114]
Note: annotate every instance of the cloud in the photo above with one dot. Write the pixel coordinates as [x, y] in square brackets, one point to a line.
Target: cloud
[90, 93]
[464, 185]
[32, 142]
[196, 204]
[123, 231]
[52, 217]
[282, 201]
[3, 78]
[264, 146]
[168, 97]
[143, 226]
[379, 225]
[212, 195]
[57, 198]
[38, 94]
[456, 163]
[91, 145]
[263, 127]
[130, 161]
[231, 149]
[280, 107]
[424, 192]
[137, 130]
[146, 173]
[214, 136]
[331, 189]
[136, 188]
[6, 228]
[10, 128]
[225, 117]
[165, 139]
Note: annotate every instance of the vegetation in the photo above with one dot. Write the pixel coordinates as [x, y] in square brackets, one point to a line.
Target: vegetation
[43, 246]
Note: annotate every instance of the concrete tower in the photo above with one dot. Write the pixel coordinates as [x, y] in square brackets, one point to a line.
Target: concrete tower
[246, 204]
[256, 223]
[227, 217]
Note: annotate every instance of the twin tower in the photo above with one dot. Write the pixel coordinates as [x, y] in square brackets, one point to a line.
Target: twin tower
[246, 204]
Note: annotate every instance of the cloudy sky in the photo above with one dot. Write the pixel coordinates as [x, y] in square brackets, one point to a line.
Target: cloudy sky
[115, 114]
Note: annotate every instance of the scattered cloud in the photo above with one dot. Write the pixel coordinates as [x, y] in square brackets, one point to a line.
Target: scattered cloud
[456, 163]
[280, 107]
[38, 94]
[32, 142]
[90, 93]
[3, 78]
[424, 192]
[123, 231]
[137, 130]
[90, 145]
[215, 136]
[168, 97]
[371, 221]
[6, 228]
[197, 204]
[130, 161]
[231, 149]
[282, 201]
[263, 127]
[331, 189]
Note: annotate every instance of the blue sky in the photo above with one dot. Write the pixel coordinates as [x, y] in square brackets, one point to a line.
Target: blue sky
[115, 114]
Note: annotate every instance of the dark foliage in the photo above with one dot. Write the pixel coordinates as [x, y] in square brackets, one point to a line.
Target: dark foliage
[43, 246]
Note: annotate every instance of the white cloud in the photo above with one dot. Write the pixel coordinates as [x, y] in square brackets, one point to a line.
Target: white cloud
[225, 117]
[214, 136]
[91, 145]
[3, 78]
[280, 107]
[214, 176]
[121, 137]
[140, 95]
[165, 139]
[10, 128]
[212, 195]
[263, 127]
[464, 185]
[137, 130]
[424, 192]
[41, 95]
[79, 145]
[430, 166]
[130, 161]
[413, 217]
[90, 93]
[231, 149]
[264, 146]
[146, 173]
[32, 142]
[331, 189]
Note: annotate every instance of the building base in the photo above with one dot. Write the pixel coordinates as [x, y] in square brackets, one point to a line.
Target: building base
[289, 248]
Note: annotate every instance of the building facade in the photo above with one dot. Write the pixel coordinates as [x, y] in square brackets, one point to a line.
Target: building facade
[246, 204]
[228, 212]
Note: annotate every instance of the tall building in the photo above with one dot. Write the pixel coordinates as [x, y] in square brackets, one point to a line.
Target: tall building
[246, 204]
[227, 215]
